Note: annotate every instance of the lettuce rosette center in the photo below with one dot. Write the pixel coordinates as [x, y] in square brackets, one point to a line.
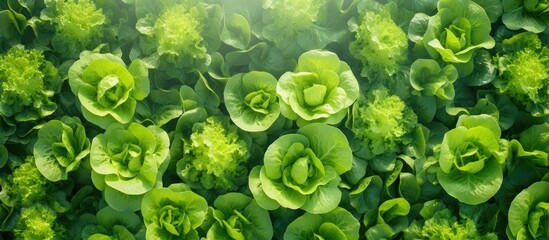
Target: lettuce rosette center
[128, 162]
[457, 36]
[302, 168]
[171, 219]
[472, 155]
[457, 30]
[176, 22]
[259, 101]
[320, 91]
[108, 90]
[173, 213]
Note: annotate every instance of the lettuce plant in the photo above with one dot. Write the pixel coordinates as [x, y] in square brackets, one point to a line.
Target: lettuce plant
[25, 186]
[178, 34]
[430, 79]
[382, 122]
[438, 222]
[107, 89]
[27, 84]
[471, 159]
[529, 213]
[251, 100]
[523, 72]
[37, 222]
[530, 15]
[61, 146]
[173, 213]
[237, 216]
[297, 26]
[128, 162]
[381, 45]
[457, 30]
[388, 220]
[320, 91]
[336, 224]
[214, 156]
[78, 25]
[112, 224]
[301, 170]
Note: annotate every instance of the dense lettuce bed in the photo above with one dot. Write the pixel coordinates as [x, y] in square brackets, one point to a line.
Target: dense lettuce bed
[274, 119]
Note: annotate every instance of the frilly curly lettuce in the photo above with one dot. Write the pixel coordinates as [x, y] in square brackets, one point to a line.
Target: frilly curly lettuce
[382, 121]
[297, 26]
[381, 45]
[524, 72]
[178, 35]
[78, 25]
[27, 84]
[37, 222]
[215, 155]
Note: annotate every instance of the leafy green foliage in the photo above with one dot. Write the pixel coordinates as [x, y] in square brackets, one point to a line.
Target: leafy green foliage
[439, 223]
[28, 82]
[532, 16]
[381, 45]
[251, 100]
[214, 156]
[173, 213]
[60, 148]
[471, 159]
[177, 35]
[26, 184]
[524, 70]
[36, 222]
[78, 25]
[110, 223]
[457, 30]
[108, 90]
[336, 224]
[302, 170]
[297, 26]
[237, 216]
[128, 161]
[528, 214]
[320, 91]
[274, 119]
[382, 122]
